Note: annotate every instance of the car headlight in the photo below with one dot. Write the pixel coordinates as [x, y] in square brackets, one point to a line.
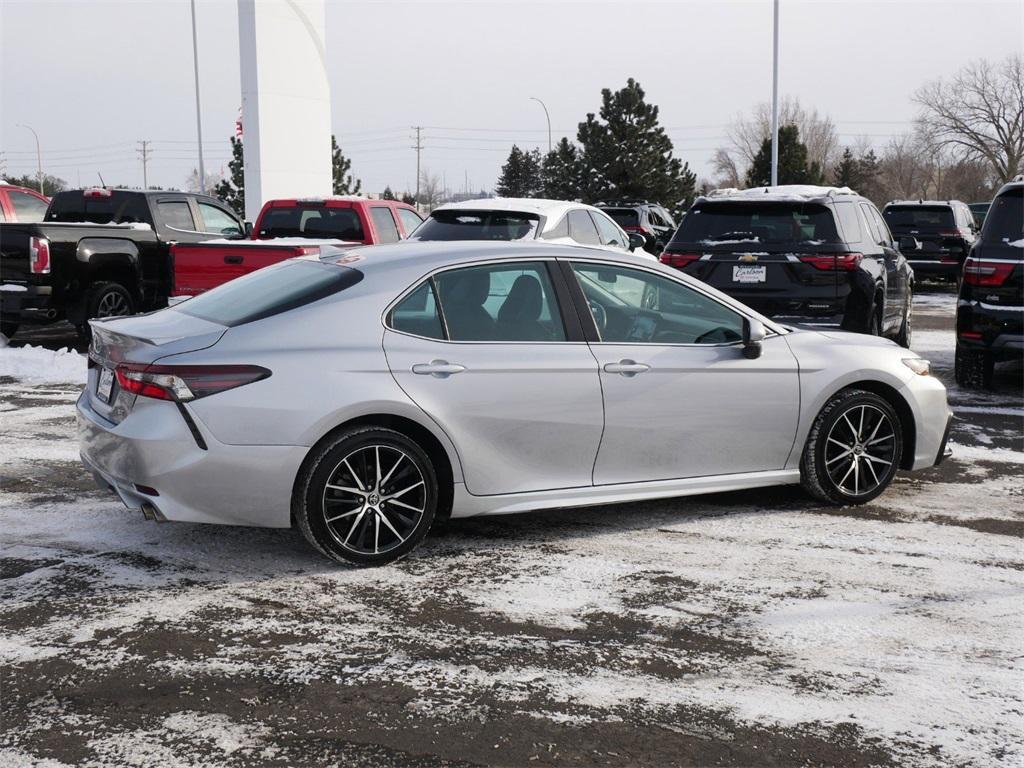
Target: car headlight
[918, 365]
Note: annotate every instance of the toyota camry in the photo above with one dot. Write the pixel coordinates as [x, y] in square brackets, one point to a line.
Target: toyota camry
[364, 395]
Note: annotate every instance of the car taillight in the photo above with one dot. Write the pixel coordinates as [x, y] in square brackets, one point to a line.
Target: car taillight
[641, 230]
[39, 255]
[835, 261]
[98, 192]
[981, 272]
[678, 260]
[182, 383]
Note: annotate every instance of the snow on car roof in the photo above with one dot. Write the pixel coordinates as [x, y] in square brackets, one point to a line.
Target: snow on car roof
[799, 193]
[552, 209]
[918, 202]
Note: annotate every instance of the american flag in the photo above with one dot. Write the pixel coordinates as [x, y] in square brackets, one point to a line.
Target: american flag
[238, 125]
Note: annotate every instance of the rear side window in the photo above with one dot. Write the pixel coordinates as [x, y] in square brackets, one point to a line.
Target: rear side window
[269, 291]
[478, 225]
[582, 228]
[1004, 222]
[312, 221]
[715, 223]
[26, 207]
[417, 313]
[176, 214]
[384, 221]
[919, 216]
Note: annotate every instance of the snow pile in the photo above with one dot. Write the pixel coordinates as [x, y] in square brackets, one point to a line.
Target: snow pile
[798, 193]
[42, 366]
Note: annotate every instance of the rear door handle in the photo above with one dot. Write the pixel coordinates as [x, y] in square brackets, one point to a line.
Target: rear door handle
[439, 369]
[626, 367]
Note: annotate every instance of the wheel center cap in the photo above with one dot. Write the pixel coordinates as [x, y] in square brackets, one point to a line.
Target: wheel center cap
[858, 449]
[373, 500]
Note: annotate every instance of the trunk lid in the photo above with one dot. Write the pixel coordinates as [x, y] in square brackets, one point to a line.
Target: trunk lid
[141, 339]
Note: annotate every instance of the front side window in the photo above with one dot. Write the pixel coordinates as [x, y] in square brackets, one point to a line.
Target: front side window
[502, 302]
[632, 306]
[417, 313]
[410, 220]
[582, 228]
[26, 207]
[457, 224]
[610, 234]
[384, 221]
[177, 215]
[216, 220]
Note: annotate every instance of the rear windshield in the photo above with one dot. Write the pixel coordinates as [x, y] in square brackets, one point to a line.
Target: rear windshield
[321, 221]
[919, 216]
[118, 208]
[1004, 222]
[478, 225]
[624, 217]
[728, 223]
[270, 291]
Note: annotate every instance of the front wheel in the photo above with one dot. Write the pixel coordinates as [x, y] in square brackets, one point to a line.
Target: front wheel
[367, 497]
[853, 449]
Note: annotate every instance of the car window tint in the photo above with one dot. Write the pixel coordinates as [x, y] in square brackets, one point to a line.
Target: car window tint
[312, 221]
[216, 220]
[874, 235]
[1004, 222]
[919, 216]
[880, 225]
[626, 217]
[410, 220]
[631, 306]
[417, 313]
[850, 222]
[504, 302]
[582, 228]
[176, 214]
[26, 207]
[728, 223]
[458, 224]
[610, 234]
[384, 221]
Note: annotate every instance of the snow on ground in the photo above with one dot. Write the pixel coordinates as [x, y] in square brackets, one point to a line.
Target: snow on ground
[38, 365]
[744, 628]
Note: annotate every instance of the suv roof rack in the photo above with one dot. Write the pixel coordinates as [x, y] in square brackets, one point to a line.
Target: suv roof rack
[624, 202]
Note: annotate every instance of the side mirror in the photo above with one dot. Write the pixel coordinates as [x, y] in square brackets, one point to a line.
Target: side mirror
[908, 243]
[636, 241]
[753, 335]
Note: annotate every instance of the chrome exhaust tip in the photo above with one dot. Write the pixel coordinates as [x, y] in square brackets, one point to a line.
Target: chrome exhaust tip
[152, 514]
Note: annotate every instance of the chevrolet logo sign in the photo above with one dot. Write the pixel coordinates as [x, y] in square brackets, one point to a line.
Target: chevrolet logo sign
[748, 258]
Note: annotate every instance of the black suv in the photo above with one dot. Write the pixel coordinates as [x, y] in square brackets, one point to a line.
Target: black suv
[990, 310]
[944, 231]
[814, 255]
[650, 220]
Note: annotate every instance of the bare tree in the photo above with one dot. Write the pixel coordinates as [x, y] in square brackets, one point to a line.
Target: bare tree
[748, 133]
[913, 168]
[430, 191]
[979, 114]
[903, 168]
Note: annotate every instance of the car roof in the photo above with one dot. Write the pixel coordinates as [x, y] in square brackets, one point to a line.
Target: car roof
[784, 193]
[552, 209]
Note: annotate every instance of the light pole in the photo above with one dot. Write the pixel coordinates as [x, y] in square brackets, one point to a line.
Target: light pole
[534, 98]
[39, 155]
[775, 98]
[199, 119]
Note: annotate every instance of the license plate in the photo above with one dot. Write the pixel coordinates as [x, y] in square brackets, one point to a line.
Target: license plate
[748, 274]
[105, 384]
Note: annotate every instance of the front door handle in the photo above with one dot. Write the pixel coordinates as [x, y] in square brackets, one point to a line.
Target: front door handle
[626, 367]
[440, 369]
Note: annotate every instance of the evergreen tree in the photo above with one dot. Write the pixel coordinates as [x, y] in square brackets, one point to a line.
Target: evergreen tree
[408, 199]
[626, 153]
[870, 171]
[343, 183]
[388, 194]
[793, 165]
[847, 172]
[232, 190]
[560, 172]
[520, 175]
[51, 184]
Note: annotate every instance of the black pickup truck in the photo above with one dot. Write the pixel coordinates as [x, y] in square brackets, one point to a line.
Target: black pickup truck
[101, 253]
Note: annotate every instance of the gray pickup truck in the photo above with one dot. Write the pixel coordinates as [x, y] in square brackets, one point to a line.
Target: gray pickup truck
[101, 253]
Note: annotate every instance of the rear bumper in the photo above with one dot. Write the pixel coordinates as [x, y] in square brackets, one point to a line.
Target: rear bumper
[25, 303]
[935, 268]
[153, 448]
[1001, 328]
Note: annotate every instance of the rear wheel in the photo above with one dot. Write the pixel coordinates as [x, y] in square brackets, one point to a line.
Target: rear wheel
[973, 368]
[106, 299]
[367, 497]
[853, 449]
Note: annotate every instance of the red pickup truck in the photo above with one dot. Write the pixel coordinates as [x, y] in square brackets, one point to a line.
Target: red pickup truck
[289, 228]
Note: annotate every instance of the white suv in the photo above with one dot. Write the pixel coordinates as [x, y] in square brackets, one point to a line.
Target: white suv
[507, 218]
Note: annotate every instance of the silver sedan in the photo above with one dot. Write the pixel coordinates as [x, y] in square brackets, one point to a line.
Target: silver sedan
[364, 395]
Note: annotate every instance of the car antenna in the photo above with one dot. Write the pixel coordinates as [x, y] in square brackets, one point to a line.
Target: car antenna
[102, 182]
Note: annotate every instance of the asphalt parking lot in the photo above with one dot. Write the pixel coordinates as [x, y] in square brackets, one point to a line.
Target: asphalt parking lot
[753, 628]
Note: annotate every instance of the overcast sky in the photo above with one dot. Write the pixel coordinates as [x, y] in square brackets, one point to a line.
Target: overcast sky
[94, 78]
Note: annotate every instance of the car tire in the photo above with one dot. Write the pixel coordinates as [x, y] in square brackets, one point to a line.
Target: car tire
[105, 299]
[853, 450]
[905, 333]
[378, 479]
[973, 368]
[875, 318]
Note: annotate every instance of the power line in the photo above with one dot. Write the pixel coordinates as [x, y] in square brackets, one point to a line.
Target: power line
[419, 149]
[144, 152]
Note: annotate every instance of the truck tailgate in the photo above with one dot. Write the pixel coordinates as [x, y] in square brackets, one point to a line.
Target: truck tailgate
[198, 267]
